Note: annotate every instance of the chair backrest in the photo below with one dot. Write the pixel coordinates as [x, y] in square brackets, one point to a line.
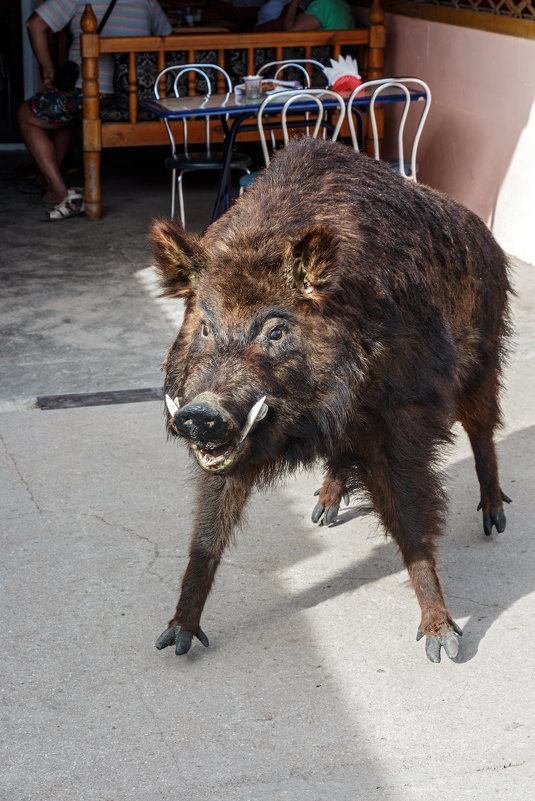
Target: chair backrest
[407, 86]
[314, 119]
[178, 70]
[275, 69]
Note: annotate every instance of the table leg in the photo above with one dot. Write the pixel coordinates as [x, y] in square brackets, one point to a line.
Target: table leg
[224, 187]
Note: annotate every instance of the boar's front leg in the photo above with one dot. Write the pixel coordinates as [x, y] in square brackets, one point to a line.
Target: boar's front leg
[407, 494]
[220, 503]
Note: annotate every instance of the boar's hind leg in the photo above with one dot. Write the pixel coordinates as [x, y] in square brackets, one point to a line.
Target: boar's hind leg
[220, 504]
[408, 497]
[478, 412]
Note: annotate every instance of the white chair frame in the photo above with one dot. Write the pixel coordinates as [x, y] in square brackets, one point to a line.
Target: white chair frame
[294, 96]
[176, 176]
[298, 64]
[379, 86]
[181, 69]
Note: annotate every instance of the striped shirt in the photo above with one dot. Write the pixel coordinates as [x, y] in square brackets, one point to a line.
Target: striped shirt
[128, 18]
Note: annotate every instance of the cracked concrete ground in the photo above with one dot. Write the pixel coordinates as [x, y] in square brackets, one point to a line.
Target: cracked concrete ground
[313, 686]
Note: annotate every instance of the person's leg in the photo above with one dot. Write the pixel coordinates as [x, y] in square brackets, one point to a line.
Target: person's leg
[62, 138]
[39, 137]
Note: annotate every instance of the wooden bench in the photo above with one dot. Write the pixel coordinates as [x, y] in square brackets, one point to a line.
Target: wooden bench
[99, 134]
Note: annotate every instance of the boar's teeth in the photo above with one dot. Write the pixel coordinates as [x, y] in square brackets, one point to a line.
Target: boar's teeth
[213, 463]
[257, 412]
[210, 459]
[171, 405]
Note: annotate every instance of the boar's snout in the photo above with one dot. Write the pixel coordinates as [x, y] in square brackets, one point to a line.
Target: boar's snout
[204, 422]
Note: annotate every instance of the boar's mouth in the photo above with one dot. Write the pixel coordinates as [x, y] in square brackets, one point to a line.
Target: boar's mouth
[219, 459]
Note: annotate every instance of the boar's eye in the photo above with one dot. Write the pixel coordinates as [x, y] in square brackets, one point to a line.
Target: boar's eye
[276, 333]
[205, 331]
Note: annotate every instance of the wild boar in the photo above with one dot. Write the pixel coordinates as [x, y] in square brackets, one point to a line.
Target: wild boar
[340, 313]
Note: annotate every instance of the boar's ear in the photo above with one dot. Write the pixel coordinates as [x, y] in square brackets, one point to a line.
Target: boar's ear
[314, 260]
[178, 257]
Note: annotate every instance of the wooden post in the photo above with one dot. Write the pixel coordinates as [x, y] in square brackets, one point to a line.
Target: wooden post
[377, 43]
[220, 78]
[91, 130]
[162, 84]
[191, 76]
[376, 50]
[132, 88]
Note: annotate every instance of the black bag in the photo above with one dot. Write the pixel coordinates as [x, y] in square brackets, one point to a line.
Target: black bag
[66, 76]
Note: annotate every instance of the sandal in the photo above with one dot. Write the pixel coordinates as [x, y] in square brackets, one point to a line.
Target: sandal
[73, 204]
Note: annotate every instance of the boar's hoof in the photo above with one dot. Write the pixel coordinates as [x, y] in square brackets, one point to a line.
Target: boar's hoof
[494, 517]
[329, 514]
[449, 641]
[181, 638]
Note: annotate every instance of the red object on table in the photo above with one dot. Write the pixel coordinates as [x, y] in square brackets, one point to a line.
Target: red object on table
[346, 83]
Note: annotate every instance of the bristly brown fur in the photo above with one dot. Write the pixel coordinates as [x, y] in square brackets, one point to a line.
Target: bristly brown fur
[392, 302]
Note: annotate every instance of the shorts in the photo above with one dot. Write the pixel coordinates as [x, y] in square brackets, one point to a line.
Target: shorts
[63, 109]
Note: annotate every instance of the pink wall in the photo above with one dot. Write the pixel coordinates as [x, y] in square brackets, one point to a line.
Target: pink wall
[479, 140]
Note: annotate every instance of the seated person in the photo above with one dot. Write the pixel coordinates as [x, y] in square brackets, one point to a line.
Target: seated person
[296, 15]
[47, 119]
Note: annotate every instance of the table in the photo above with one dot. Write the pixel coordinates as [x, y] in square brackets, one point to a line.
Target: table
[238, 107]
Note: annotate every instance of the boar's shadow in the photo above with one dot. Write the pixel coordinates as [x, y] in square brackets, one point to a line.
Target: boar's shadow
[482, 576]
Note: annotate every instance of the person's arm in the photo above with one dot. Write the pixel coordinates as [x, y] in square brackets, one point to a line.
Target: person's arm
[299, 22]
[38, 34]
[160, 25]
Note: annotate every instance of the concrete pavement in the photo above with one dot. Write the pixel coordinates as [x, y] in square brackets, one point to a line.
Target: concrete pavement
[313, 686]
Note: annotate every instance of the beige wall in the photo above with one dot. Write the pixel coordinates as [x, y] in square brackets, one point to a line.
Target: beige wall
[479, 141]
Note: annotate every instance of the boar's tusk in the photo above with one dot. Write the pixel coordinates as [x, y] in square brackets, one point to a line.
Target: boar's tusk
[172, 405]
[263, 411]
[257, 412]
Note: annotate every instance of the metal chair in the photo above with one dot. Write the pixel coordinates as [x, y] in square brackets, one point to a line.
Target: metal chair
[299, 64]
[310, 121]
[185, 161]
[406, 86]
